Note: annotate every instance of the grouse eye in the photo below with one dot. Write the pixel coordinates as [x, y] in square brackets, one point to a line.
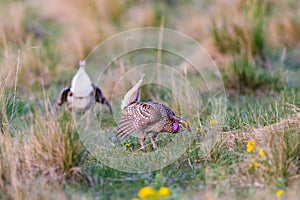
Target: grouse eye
[70, 94]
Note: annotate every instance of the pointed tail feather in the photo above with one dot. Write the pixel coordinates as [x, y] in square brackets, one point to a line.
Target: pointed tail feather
[133, 95]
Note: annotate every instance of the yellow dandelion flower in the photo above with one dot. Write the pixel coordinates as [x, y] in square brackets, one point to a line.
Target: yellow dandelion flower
[254, 164]
[128, 145]
[164, 192]
[146, 192]
[262, 153]
[279, 193]
[251, 145]
[213, 122]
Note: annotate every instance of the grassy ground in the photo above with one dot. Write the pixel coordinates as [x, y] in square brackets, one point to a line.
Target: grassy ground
[255, 49]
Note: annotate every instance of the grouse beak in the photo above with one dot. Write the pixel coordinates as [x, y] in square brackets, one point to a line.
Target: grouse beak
[185, 124]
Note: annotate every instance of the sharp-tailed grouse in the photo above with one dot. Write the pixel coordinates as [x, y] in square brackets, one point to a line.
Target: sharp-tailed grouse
[150, 118]
[82, 94]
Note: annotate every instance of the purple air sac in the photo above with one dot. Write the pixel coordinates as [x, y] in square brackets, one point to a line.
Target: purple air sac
[175, 127]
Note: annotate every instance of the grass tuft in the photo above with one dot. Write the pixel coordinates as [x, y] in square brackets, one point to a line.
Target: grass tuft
[246, 75]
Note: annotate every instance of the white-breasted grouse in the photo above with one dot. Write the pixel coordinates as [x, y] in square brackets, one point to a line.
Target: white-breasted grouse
[82, 94]
[150, 118]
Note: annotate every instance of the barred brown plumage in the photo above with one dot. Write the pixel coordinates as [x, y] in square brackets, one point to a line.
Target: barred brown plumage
[150, 118]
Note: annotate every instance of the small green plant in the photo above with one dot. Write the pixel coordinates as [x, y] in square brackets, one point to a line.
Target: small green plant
[246, 75]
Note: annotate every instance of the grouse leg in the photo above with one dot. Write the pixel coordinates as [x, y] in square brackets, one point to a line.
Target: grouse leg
[142, 140]
[153, 140]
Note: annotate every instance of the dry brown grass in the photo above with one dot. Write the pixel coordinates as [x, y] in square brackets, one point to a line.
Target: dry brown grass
[263, 134]
[35, 161]
[285, 31]
[291, 194]
[83, 25]
[278, 169]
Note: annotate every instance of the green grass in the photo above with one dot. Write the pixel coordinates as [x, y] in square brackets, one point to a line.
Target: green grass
[247, 76]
